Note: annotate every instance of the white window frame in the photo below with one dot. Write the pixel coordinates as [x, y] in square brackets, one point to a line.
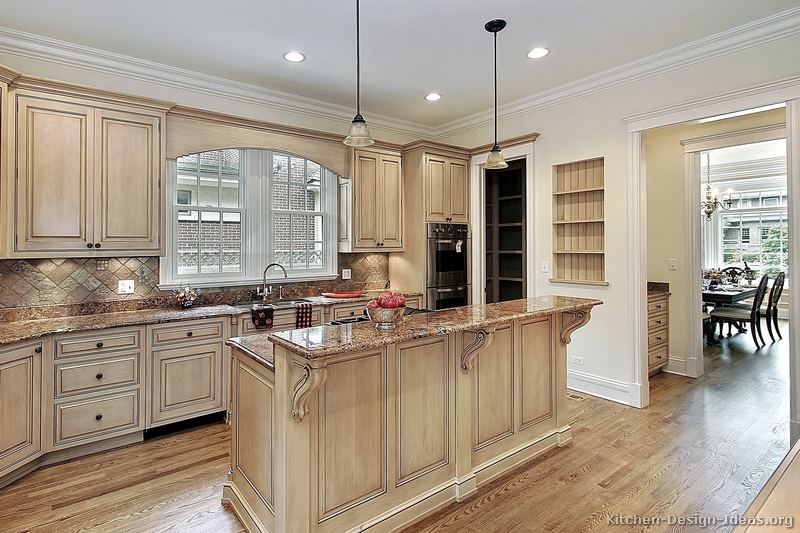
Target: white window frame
[257, 234]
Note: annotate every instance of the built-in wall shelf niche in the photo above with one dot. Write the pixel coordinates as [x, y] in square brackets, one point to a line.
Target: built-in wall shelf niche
[579, 223]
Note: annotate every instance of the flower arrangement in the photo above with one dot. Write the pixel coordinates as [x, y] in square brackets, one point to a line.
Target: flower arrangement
[186, 295]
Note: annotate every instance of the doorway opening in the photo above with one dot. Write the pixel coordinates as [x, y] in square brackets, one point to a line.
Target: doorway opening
[505, 234]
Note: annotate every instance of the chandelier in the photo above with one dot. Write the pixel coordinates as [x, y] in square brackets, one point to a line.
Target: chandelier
[711, 204]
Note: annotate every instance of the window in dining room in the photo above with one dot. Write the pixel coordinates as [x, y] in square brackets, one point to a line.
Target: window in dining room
[755, 228]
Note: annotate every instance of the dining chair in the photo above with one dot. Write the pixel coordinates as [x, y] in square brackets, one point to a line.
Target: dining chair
[772, 305]
[753, 315]
[734, 274]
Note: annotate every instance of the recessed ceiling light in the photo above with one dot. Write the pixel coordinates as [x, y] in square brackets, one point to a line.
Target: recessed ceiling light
[294, 56]
[538, 53]
[433, 97]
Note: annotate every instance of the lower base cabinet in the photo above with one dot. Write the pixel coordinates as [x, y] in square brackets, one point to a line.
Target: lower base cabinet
[185, 382]
[20, 405]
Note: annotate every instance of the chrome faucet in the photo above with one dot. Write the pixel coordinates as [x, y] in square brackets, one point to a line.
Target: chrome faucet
[267, 291]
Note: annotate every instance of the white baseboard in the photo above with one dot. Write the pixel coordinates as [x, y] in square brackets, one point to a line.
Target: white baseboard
[676, 365]
[610, 389]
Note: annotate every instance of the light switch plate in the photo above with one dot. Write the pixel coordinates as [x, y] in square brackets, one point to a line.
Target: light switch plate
[545, 266]
[125, 286]
[347, 273]
[672, 264]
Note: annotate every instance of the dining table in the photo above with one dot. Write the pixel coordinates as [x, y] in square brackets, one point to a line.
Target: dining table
[727, 295]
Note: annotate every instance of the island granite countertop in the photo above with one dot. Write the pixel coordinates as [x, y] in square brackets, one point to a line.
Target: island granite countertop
[326, 341]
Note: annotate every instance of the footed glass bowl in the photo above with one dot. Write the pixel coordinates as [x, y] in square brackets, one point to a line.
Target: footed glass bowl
[386, 319]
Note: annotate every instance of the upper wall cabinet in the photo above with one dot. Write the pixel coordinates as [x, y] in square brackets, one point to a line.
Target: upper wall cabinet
[447, 189]
[377, 206]
[87, 179]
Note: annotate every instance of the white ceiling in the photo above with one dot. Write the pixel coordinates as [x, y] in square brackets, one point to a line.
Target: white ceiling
[409, 47]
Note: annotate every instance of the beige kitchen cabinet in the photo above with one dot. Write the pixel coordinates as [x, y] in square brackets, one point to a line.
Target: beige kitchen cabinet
[20, 405]
[377, 206]
[88, 179]
[186, 370]
[446, 183]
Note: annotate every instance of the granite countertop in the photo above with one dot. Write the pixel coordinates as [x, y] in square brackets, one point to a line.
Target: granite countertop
[24, 330]
[325, 341]
[257, 347]
[657, 287]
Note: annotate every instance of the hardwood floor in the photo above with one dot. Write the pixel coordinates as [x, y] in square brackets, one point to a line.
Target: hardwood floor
[703, 447]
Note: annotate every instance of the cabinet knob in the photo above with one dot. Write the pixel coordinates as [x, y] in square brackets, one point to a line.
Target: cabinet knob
[38, 349]
[189, 333]
[89, 245]
[352, 313]
[98, 417]
[99, 375]
[97, 245]
[99, 344]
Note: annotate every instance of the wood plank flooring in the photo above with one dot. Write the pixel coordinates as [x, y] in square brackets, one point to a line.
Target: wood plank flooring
[703, 447]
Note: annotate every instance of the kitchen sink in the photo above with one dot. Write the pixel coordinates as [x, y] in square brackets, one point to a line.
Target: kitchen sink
[277, 304]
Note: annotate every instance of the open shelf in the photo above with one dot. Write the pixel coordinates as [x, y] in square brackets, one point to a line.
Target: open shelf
[579, 223]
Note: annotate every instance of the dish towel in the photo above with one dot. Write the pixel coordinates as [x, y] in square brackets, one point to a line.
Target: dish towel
[303, 316]
[263, 316]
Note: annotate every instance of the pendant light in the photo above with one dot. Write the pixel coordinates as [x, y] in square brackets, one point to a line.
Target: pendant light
[359, 133]
[495, 160]
[711, 203]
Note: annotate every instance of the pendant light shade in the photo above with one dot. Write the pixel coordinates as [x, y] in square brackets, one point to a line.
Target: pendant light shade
[495, 160]
[359, 133]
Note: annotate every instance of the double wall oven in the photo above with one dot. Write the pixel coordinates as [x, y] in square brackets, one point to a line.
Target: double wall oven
[448, 265]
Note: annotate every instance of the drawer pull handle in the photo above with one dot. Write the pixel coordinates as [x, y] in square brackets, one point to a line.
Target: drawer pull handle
[38, 349]
[659, 322]
[352, 313]
[98, 417]
[189, 333]
[99, 375]
[659, 338]
[99, 344]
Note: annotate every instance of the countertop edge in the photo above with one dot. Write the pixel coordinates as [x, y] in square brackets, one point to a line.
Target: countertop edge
[259, 359]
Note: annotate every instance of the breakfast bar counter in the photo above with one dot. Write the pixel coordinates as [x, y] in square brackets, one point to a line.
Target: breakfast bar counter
[344, 428]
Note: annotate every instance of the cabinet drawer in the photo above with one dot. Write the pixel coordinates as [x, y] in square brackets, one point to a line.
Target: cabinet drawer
[657, 337]
[657, 356]
[87, 419]
[656, 306]
[346, 311]
[93, 375]
[414, 303]
[657, 322]
[185, 331]
[97, 343]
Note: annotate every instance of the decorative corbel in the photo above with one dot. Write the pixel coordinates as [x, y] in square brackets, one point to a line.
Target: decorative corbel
[313, 378]
[570, 321]
[483, 339]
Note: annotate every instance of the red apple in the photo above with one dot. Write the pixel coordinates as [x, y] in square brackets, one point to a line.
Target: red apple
[401, 300]
[373, 304]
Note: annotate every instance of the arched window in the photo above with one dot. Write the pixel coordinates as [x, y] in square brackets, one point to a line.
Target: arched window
[232, 212]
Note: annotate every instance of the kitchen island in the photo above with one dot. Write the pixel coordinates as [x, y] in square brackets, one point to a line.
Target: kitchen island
[344, 428]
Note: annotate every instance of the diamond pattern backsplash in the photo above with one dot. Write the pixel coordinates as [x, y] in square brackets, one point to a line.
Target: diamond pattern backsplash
[48, 282]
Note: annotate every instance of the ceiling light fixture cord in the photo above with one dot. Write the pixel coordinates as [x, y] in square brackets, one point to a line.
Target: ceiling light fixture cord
[358, 58]
[495, 88]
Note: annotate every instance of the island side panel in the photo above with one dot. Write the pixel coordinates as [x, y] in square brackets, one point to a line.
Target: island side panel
[250, 489]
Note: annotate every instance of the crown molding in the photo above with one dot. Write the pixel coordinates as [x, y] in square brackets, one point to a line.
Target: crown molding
[754, 33]
[59, 52]
[7, 75]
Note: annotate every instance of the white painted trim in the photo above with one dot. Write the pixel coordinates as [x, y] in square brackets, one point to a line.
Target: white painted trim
[749, 98]
[610, 389]
[793, 182]
[676, 365]
[693, 361]
[771, 28]
[637, 266]
[478, 218]
[735, 138]
[753, 33]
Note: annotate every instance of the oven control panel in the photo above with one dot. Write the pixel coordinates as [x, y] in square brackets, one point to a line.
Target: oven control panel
[448, 231]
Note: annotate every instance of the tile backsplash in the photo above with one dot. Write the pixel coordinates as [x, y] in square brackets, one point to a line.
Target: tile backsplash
[26, 283]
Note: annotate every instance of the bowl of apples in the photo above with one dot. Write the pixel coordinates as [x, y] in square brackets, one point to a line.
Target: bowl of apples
[387, 310]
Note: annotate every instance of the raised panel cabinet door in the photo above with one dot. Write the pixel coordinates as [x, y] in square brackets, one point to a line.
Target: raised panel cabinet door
[127, 181]
[435, 189]
[185, 382]
[54, 182]
[458, 210]
[20, 406]
[391, 197]
[366, 201]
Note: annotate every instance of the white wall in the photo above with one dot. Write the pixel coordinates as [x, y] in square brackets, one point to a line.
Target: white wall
[594, 126]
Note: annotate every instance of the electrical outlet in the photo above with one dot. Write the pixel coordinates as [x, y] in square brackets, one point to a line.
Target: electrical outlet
[577, 359]
[347, 273]
[545, 266]
[672, 264]
[125, 286]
